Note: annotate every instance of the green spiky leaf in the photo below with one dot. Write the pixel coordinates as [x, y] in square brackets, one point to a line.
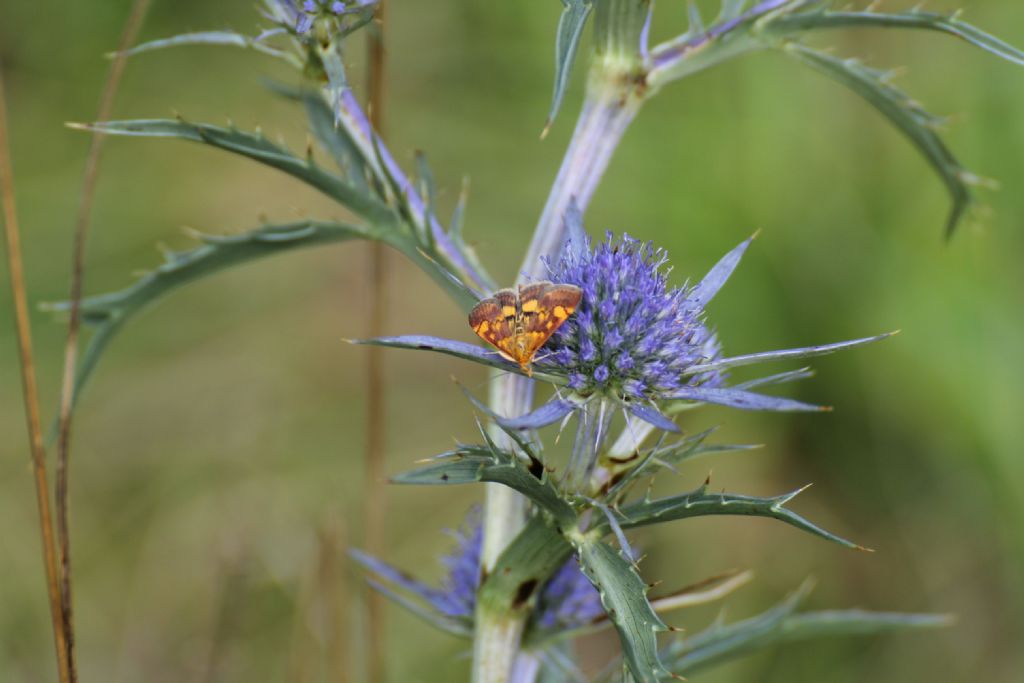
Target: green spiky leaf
[624, 598]
[715, 588]
[915, 19]
[337, 141]
[258, 148]
[353, 192]
[425, 185]
[775, 25]
[696, 21]
[700, 502]
[913, 121]
[622, 476]
[470, 464]
[567, 43]
[533, 449]
[667, 456]
[224, 38]
[688, 449]
[781, 624]
[459, 214]
[108, 312]
[459, 467]
[532, 557]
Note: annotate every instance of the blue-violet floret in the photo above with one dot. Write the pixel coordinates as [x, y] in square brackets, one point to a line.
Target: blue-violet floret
[633, 336]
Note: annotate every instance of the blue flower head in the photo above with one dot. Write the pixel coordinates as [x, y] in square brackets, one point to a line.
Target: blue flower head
[335, 7]
[634, 339]
[633, 336]
[638, 341]
[457, 595]
[299, 17]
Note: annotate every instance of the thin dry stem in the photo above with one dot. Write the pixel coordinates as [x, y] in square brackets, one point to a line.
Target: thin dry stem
[230, 598]
[374, 508]
[88, 192]
[301, 649]
[30, 390]
[320, 630]
[333, 555]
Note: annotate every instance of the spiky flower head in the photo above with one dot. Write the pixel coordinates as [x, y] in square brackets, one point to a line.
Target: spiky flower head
[299, 17]
[633, 337]
[457, 595]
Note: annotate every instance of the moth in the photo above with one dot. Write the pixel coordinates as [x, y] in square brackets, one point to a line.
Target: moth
[519, 321]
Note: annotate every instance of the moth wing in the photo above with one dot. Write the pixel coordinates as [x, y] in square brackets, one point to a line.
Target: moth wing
[534, 291]
[562, 300]
[559, 302]
[485, 318]
[507, 299]
[545, 307]
[493, 320]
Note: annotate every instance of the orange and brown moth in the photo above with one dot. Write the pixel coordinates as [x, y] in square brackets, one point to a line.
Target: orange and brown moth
[518, 322]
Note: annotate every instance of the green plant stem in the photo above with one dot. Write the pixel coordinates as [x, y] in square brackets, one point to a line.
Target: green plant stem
[612, 101]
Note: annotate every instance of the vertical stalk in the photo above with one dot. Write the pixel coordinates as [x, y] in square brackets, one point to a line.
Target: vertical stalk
[374, 509]
[613, 99]
[504, 509]
[526, 668]
[607, 112]
[497, 636]
[30, 390]
[88, 192]
[333, 582]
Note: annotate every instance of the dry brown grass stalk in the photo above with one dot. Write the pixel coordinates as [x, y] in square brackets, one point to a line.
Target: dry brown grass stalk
[374, 508]
[30, 390]
[88, 193]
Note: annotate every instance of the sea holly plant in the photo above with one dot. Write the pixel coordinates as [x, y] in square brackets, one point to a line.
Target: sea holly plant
[548, 556]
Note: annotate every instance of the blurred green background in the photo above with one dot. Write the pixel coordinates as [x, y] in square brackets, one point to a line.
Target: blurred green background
[217, 466]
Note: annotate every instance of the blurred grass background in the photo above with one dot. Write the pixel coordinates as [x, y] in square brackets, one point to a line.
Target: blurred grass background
[216, 470]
